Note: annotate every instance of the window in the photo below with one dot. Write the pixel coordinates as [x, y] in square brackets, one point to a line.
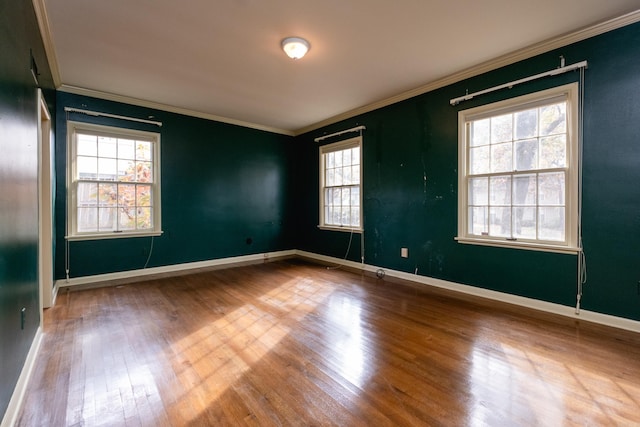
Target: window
[113, 182]
[518, 172]
[340, 185]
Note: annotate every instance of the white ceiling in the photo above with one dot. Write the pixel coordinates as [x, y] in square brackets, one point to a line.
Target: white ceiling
[223, 57]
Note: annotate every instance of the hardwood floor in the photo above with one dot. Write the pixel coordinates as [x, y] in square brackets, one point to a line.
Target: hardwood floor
[291, 343]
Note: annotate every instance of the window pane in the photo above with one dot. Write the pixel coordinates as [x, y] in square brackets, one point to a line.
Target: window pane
[144, 172]
[524, 190]
[143, 195]
[126, 170]
[502, 128]
[524, 222]
[108, 194]
[126, 218]
[126, 149]
[355, 217]
[126, 195]
[480, 132]
[328, 196]
[355, 174]
[330, 160]
[479, 191]
[500, 221]
[107, 219]
[346, 158]
[107, 147]
[553, 151]
[526, 124]
[87, 167]
[335, 216]
[107, 169]
[338, 180]
[346, 175]
[502, 157]
[479, 160]
[143, 150]
[338, 159]
[551, 189]
[479, 220]
[355, 155]
[87, 194]
[337, 197]
[87, 220]
[345, 217]
[87, 145]
[500, 190]
[330, 177]
[526, 155]
[144, 219]
[355, 196]
[553, 119]
[551, 223]
[346, 196]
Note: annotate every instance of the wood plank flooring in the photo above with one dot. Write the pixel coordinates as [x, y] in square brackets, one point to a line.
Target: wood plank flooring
[292, 343]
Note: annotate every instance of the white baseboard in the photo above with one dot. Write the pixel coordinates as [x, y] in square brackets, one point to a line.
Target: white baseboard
[170, 269]
[15, 404]
[567, 311]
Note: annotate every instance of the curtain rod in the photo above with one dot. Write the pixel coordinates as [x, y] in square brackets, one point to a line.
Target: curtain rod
[562, 69]
[113, 116]
[355, 129]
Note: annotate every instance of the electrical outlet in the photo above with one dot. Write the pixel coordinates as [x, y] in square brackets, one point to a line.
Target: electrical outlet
[404, 252]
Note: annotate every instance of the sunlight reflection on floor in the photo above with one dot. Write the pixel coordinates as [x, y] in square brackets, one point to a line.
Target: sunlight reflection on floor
[515, 382]
[241, 339]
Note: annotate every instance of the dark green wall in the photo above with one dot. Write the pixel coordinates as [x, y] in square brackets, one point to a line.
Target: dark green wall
[410, 185]
[19, 35]
[221, 186]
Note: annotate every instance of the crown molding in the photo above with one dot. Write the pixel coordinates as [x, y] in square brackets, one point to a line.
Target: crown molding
[47, 40]
[508, 59]
[494, 64]
[169, 108]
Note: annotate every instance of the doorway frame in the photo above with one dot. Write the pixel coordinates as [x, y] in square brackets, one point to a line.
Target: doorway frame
[45, 207]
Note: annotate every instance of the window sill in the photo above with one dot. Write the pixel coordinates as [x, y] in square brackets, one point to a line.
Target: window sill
[112, 235]
[519, 245]
[338, 228]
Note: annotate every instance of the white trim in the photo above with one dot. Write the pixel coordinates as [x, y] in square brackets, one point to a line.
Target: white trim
[17, 398]
[519, 245]
[569, 94]
[47, 40]
[485, 67]
[344, 229]
[345, 144]
[548, 307]
[132, 274]
[74, 127]
[45, 206]
[501, 61]
[168, 108]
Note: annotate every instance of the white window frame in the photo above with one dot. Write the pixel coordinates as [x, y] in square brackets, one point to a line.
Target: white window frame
[570, 93]
[73, 128]
[329, 148]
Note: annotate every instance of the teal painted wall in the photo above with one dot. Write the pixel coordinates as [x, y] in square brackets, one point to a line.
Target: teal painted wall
[410, 185]
[223, 186]
[19, 35]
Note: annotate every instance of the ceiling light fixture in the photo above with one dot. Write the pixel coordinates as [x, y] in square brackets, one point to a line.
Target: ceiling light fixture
[295, 47]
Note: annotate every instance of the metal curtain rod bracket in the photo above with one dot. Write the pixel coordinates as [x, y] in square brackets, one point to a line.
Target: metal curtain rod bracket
[113, 116]
[355, 129]
[562, 69]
